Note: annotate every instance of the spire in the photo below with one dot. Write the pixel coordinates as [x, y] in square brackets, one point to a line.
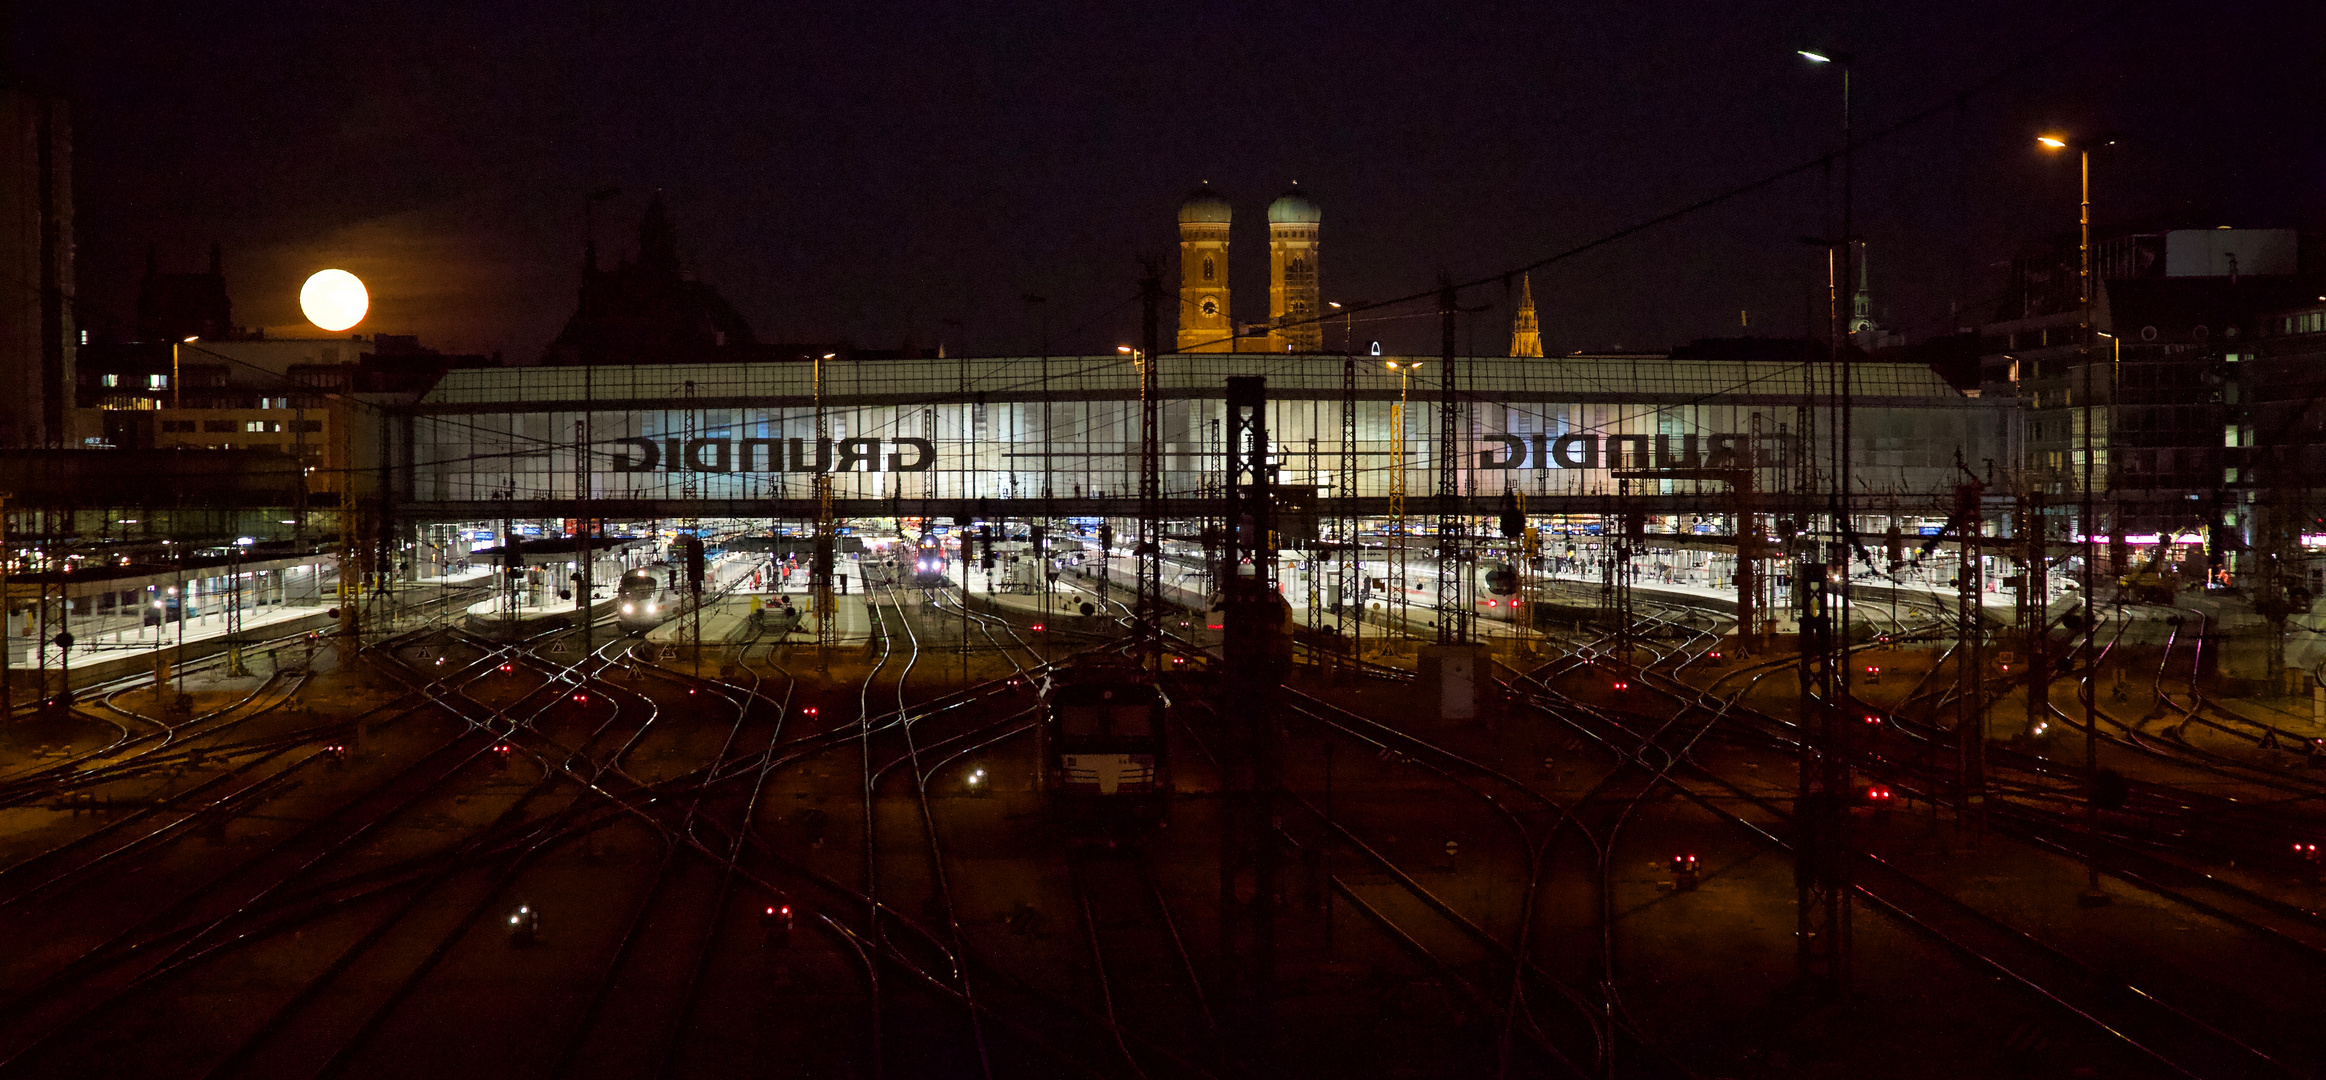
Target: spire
[1526, 337]
[657, 241]
[1862, 305]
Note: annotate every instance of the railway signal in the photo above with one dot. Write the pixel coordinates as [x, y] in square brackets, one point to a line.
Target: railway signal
[524, 925]
[1684, 873]
[776, 920]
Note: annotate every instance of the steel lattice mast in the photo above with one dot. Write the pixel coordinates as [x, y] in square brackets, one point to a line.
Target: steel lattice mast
[1453, 615]
[1149, 615]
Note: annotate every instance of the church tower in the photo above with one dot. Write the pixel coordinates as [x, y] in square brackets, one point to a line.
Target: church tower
[1526, 336]
[1861, 319]
[1203, 274]
[1293, 295]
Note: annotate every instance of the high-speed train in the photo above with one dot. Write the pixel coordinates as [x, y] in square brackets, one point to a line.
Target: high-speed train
[645, 597]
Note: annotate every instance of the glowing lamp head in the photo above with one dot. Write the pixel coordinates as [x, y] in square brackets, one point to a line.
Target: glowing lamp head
[334, 300]
[2052, 142]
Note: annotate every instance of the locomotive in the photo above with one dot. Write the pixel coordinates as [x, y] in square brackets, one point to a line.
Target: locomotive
[1106, 768]
[929, 562]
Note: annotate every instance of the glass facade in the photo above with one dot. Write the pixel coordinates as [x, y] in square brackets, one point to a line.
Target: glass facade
[998, 429]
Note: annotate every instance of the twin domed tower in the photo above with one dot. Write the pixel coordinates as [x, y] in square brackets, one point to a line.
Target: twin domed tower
[1293, 297]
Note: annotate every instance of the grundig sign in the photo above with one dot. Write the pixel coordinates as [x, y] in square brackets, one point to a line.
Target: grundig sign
[772, 455]
[1574, 450]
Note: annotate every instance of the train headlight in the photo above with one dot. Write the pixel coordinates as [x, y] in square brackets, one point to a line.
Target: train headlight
[628, 608]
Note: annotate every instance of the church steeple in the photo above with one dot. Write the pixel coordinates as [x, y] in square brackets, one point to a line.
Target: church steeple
[1203, 273]
[1526, 337]
[657, 240]
[1294, 298]
[1862, 305]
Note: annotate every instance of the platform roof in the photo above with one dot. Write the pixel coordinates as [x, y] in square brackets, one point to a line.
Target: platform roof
[1623, 377]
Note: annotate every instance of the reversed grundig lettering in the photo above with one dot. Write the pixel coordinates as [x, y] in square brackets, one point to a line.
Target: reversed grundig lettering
[772, 455]
[1581, 450]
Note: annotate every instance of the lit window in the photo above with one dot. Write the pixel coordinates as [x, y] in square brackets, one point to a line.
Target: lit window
[254, 425]
[157, 382]
[109, 380]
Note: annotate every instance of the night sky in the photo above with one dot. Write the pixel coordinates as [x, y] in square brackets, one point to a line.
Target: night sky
[885, 173]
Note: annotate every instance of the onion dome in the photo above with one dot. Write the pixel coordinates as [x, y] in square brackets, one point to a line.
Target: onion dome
[1293, 208]
[1204, 207]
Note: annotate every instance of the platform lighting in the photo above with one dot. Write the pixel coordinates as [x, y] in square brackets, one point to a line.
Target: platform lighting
[1814, 57]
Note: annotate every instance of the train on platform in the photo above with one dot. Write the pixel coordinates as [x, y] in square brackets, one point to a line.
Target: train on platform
[930, 562]
[1106, 764]
[646, 597]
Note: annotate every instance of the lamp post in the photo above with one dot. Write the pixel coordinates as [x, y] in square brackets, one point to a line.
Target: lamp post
[1840, 332]
[1397, 482]
[2091, 896]
[177, 399]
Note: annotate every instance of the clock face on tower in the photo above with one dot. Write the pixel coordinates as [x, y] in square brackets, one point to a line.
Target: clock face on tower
[1211, 308]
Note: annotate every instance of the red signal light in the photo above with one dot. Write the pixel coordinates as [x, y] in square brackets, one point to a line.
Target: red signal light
[1037, 628]
[785, 910]
[1873, 719]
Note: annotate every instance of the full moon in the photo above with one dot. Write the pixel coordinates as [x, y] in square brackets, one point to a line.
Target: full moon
[334, 300]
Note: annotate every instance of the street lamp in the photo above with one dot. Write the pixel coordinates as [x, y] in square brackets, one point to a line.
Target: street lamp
[1839, 276]
[176, 401]
[1404, 372]
[2092, 896]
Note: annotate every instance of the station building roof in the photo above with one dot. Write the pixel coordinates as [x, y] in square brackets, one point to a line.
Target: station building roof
[1620, 377]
